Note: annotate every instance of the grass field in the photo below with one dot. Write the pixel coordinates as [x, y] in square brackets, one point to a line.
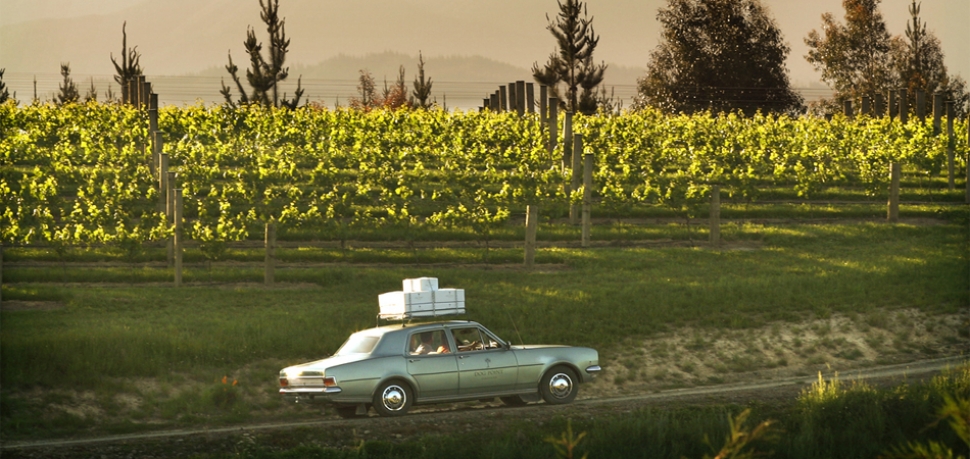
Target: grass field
[140, 354]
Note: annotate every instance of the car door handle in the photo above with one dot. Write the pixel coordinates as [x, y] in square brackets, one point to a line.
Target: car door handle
[412, 360]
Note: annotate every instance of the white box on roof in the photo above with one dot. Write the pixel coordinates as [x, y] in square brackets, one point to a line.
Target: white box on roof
[422, 298]
[421, 284]
[449, 295]
[400, 302]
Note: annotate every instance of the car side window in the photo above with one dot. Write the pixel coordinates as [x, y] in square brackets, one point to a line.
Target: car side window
[468, 339]
[429, 343]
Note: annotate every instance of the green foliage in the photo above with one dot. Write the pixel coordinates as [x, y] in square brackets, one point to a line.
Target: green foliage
[265, 74]
[567, 442]
[573, 64]
[854, 57]
[718, 55]
[4, 93]
[69, 93]
[740, 442]
[74, 175]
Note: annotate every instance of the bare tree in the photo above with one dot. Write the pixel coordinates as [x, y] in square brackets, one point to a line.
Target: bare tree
[129, 67]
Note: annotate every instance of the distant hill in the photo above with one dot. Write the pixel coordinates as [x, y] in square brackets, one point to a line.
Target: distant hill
[463, 80]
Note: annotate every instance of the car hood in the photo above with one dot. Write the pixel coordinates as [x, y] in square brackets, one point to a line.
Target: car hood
[322, 365]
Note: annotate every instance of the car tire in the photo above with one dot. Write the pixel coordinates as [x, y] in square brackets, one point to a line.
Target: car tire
[514, 400]
[347, 411]
[393, 398]
[559, 386]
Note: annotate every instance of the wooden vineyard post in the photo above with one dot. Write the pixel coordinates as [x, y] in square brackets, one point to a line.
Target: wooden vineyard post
[715, 220]
[895, 170]
[921, 105]
[503, 99]
[162, 181]
[567, 147]
[531, 227]
[520, 97]
[153, 133]
[170, 213]
[543, 104]
[894, 173]
[530, 98]
[493, 104]
[587, 197]
[880, 105]
[847, 109]
[553, 125]
[178, 237]
[577, 175]
[950, 167]
[270, 262]
[937, 112]
[866, 106]
[512, 98]
[893, 105]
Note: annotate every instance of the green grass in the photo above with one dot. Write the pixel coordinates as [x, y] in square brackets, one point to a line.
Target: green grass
[601, 297]
[830, 421]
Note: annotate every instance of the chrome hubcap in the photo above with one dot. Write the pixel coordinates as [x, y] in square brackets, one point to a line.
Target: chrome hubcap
[560, 385]
[394, 398]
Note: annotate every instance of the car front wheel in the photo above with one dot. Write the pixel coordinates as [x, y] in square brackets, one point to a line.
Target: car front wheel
[392, 398]
[558, 386]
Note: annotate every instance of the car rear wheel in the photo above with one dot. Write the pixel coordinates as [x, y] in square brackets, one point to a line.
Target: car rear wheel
[392, 398]
[559, 386]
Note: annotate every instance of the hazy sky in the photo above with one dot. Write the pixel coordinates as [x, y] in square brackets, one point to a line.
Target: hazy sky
[179, 37]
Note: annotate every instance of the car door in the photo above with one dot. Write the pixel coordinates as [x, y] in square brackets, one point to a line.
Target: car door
[436, 373]
[484, 365]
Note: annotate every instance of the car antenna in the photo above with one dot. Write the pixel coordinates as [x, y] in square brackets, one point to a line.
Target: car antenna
[514, 327]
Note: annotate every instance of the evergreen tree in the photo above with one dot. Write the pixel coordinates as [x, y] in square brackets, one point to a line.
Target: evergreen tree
[92, 95]
[69, 93]
[4, 94]
[573, 63]
[264, 75]
[919, 64]
[719, 55]
[422, 86]
[855, 58]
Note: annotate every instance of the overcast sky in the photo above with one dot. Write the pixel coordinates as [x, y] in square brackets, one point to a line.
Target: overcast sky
[179, 37]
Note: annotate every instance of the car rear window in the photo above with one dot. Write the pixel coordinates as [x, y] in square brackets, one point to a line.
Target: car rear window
[358, 344]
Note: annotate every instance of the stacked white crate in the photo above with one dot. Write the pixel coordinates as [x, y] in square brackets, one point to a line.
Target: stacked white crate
[421, 297]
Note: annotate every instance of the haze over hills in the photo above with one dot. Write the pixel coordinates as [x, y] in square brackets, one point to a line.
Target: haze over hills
[193, 37]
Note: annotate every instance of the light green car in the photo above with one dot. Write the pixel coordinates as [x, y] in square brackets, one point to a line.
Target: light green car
[397, 366]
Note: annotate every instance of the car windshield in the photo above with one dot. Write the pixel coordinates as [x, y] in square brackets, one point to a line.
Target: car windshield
[358, 344]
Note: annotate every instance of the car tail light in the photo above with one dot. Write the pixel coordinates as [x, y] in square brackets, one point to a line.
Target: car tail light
[284, 382]
[329, 381]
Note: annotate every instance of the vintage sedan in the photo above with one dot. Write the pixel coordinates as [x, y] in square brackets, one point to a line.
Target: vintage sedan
[397, 366]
